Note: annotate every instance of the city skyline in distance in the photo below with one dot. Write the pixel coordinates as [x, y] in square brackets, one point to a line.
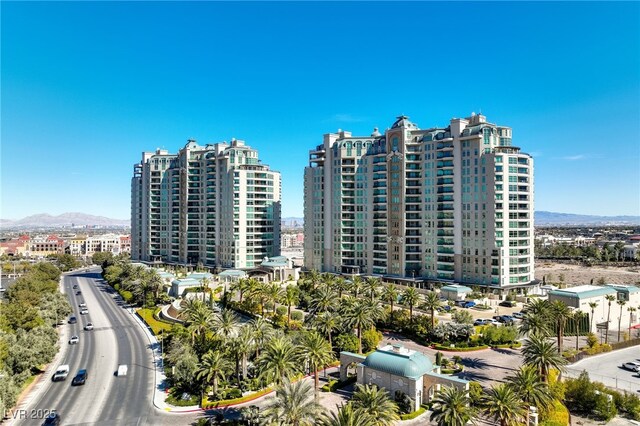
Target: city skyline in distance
[88, 87]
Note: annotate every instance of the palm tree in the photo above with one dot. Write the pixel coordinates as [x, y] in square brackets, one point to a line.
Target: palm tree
[198, 322]
[293, 405]
[291, 297]
[371, 286]
[243, 345]
[504, 406]
[410, 297]
[541, 354]
[577, 318]
[261, 331]
[593, 306]
[375, 402]
[621, 303]
[631, 310]
[327, 280]
[527, 384]
[610, 298]
[341, 286]
[326, 323]
[390, 294]
[274, 293]
[317, 353]
[451, 407]
[213, 367]
[356, 286]
[536, 318]
[313, 278]
[324, 300]
[431, 303]
[359, 316]
[226, 324]
[279, 360]
[347, 416]
[242, 285]
[561, 313]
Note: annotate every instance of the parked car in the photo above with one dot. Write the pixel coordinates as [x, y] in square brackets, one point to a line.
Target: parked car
[481, 321]
[89, 326]
[632, 365]
[74, 340]
[518, 315]
[506, 319]
[84, 312]
[469, 304]
[508, 303]
[80, 378]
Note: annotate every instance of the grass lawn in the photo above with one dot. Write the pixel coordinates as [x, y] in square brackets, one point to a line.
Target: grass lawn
[156, 326]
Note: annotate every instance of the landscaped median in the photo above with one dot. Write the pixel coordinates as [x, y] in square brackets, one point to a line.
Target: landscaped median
[450, 348]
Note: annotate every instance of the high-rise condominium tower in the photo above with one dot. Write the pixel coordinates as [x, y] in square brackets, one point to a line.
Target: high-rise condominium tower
[443, 204]
[214, 204]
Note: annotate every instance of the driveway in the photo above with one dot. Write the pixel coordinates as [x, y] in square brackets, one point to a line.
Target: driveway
[486, 366]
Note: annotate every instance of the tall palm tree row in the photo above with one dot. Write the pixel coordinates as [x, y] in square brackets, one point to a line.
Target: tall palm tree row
[411, 298]
[360, 314]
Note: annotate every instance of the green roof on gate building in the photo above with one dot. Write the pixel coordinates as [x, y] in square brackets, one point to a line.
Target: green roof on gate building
[399, 361]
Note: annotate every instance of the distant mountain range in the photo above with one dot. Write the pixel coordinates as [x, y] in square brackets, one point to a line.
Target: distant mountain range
[65, 220]
[542, 218]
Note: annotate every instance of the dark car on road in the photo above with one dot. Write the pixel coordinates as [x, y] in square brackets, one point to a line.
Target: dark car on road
[52, 419]
[80, 378]
[505, 319]
[73, 320]
[508, 303]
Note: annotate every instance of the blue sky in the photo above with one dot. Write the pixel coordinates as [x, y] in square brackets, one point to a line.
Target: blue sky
[86, 87]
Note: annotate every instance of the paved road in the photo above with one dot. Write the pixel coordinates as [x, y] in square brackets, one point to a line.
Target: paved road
[606, 368]
[105, 399]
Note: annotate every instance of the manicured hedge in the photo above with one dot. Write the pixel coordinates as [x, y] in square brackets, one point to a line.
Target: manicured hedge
[223, 403]
[455, 349]
[415, 414]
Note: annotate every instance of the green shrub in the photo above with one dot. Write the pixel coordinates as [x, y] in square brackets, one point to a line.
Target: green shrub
[438, 358]
[604, 408]
[413, 415]
[592, 340]
[126, 295]
[347, 342]
[476, 393]
[281, 310]
[334, 385]
[296, 316]
[370, 339]
[557, 415]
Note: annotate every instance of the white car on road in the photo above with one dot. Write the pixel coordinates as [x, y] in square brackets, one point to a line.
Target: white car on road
[89, 326]
[74, 340]
[84, 312]
[632, 365]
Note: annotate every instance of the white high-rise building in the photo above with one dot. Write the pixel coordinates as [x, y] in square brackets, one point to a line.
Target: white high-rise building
[451, 204]
[214, 204]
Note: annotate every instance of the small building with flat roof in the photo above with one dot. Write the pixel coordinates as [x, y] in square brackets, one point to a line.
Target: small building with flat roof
[583, 297]
[179, 286]
[455, 292]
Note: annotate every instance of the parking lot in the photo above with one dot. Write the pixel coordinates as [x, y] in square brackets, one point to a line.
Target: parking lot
[606, 368]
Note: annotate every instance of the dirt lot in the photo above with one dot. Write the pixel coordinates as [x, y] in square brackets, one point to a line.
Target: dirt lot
[577, 275]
